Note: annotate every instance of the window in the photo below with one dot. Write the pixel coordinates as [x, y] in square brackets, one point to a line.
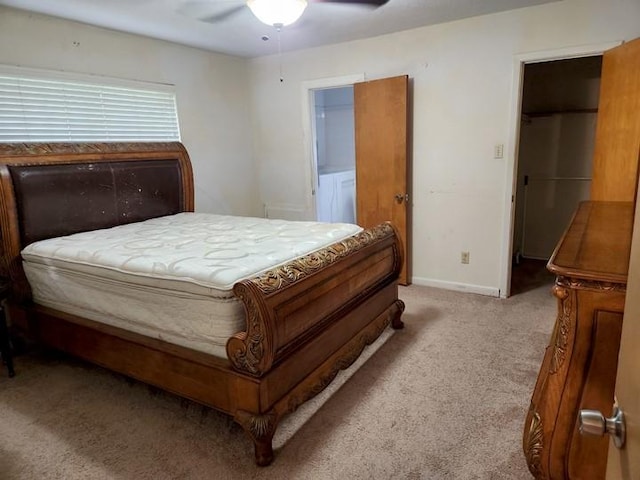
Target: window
[39, 106]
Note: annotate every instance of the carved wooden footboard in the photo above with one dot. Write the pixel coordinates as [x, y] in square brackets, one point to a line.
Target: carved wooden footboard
[305, 320]
[309, 319]
[288, 305]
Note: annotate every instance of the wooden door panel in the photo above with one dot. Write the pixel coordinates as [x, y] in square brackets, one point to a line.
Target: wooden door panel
[381, 120]
[615, 158]
[625, 464]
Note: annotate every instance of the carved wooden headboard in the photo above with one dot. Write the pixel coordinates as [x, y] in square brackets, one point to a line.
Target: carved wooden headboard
[50, 190]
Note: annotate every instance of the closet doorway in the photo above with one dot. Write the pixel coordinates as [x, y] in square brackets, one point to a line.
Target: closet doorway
[555, 155]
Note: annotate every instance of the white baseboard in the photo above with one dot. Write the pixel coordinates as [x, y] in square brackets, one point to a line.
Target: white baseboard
[459, 287]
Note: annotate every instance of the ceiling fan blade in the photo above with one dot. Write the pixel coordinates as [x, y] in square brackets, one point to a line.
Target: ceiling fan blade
[219, 17]
[371, 3]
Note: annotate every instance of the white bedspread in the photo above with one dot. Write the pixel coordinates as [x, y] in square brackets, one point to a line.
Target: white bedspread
[171, 277]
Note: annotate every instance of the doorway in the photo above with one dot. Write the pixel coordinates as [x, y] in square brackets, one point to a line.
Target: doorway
[559, 108]
[381, 123]
[334, 154]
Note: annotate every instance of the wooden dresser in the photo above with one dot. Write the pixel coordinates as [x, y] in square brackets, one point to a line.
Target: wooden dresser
[579, 366]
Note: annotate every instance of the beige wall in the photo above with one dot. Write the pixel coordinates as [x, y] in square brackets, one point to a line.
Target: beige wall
[462, 79]
[244, 128]
[210, 88]
[552, 147]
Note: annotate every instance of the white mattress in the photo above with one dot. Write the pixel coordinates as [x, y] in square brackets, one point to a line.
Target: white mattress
[169, 277]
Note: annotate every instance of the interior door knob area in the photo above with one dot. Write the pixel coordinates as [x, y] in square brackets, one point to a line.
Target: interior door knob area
[592, 422]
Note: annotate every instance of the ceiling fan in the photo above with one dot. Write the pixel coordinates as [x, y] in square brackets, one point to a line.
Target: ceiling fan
[280, 13]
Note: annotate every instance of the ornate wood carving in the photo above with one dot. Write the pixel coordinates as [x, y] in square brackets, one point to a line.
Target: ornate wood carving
[533, 445]
[295, 270]
[35, 149]
[254, 351]
[260, 427]
[247, 350]
[582, 284]
[591, 264]
[563, 328]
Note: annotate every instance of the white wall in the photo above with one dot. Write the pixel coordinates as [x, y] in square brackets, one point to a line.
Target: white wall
[213, 106]
[462, 79]
[558, 146]
[335, 130]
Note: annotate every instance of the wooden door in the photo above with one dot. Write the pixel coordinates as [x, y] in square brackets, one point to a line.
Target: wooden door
[625, 464]
[381, 128]
[615, 157]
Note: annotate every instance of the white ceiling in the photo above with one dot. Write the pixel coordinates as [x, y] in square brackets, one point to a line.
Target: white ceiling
[241, 34]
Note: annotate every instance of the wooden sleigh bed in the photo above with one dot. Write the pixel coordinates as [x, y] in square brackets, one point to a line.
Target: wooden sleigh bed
[305, 320]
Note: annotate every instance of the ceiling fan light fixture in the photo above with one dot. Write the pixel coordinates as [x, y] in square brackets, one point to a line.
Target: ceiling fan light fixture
[277, 12]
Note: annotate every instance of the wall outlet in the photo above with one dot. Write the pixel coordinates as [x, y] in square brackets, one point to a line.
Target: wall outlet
[464, 257]
[498, 150]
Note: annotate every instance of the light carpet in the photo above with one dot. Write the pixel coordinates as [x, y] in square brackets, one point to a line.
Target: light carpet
[445, 398]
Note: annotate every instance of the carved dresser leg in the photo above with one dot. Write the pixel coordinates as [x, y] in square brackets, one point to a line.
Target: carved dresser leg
[260, 429]
[533, 443]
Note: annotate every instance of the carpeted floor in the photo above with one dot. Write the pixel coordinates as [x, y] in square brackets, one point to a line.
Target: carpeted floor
[445, 398]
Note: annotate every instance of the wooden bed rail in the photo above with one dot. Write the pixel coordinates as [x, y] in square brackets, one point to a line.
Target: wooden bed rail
[290, 304]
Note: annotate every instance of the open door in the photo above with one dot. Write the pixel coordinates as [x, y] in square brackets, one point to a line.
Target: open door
[624, 464]
[615, 157]
[615, 178]
[381, 121]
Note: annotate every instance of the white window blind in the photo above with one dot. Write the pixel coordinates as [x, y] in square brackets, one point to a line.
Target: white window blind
[34, 108]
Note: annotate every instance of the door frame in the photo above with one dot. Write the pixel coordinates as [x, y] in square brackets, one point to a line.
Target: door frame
[309, 129]
[513, 141]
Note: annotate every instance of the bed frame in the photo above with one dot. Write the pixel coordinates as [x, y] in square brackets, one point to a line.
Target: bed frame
[305, 320]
